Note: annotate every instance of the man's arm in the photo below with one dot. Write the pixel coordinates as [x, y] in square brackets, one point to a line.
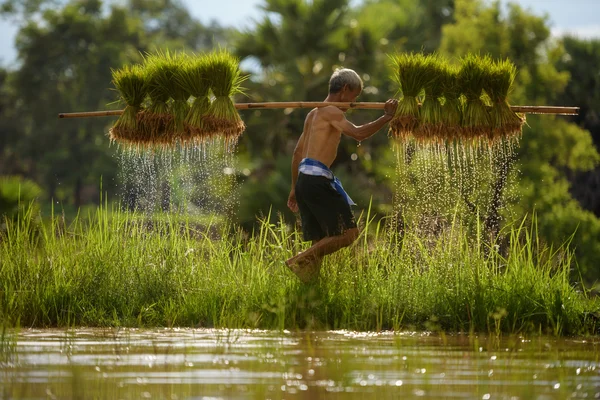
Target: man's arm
[339, 121]
[296, 158]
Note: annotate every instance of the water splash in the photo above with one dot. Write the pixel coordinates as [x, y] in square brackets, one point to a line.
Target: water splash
[198, 179]
[454, 181]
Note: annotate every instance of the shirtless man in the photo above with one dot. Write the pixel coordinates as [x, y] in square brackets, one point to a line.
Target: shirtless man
[324, 206]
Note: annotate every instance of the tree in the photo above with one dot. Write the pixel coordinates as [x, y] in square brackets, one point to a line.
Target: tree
[581, 60]
[66, 56]
[551, 148]
[23, 9]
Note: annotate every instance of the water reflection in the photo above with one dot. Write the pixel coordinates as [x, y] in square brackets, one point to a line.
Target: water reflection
[240, 364]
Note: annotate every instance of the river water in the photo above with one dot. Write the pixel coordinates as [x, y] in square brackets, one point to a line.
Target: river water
[241, 364]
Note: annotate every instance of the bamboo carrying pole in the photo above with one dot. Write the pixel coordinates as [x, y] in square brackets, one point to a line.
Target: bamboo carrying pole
[316, 104]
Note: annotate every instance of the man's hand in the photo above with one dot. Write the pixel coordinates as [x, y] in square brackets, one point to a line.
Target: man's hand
[390, 108]
[292, 204]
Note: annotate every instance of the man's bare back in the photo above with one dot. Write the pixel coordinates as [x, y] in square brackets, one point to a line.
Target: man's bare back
[321, 137]
[323, 129]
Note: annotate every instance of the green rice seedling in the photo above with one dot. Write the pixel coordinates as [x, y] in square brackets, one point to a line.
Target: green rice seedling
[193, 75]
[130, 82]
[179, 91]
[166, 67]
[157, 118]
[225, 81]
[472, 78]
[453, 108]
[505, 122]
[411, 72]
[431, 108]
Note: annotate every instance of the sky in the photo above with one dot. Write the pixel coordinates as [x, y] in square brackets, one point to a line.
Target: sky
[579, 17]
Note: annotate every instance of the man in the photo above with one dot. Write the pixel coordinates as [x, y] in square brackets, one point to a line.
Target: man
[324, 206]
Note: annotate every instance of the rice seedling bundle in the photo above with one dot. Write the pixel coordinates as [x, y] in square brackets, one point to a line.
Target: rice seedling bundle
[453, 107]
[472, 79]
[505, 122]
[167, 68]
[431, 108]
[157, 117]
[412, 73]
[130, 82]
[225, 81]
[193, 75]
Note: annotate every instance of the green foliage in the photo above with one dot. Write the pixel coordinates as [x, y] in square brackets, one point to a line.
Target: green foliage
[25, 8]
[551, 149]
[18, 195]
[545, 187]
[162, 68]
[580, 60]
[121, 269]
[156, 117]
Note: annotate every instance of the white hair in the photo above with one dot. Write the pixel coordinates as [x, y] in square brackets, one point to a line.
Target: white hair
[342, 77]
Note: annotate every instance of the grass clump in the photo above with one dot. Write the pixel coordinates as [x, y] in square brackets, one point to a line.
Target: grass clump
[130, 81]
[473, 77]
[222, 117]
[412, 72]
[115, 269]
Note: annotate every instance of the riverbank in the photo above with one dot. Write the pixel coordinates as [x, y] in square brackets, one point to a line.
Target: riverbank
[118, 269]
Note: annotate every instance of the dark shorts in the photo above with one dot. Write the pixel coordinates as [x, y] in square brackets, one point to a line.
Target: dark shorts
[323, 210]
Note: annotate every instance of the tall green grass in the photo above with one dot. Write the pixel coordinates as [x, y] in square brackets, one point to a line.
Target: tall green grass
[119, 269]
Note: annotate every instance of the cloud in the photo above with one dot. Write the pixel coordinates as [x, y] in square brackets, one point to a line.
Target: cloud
[583, 32]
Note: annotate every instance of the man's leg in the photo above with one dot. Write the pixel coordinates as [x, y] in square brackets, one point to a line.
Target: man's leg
[323, 247]
[307, 270]
[326, 212]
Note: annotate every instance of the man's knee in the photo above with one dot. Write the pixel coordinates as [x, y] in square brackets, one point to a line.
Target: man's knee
[350, 235]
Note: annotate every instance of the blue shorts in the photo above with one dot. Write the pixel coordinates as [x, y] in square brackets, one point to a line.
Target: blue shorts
[323, 210]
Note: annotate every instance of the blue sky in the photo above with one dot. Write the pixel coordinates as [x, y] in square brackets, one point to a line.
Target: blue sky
[581, 17]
